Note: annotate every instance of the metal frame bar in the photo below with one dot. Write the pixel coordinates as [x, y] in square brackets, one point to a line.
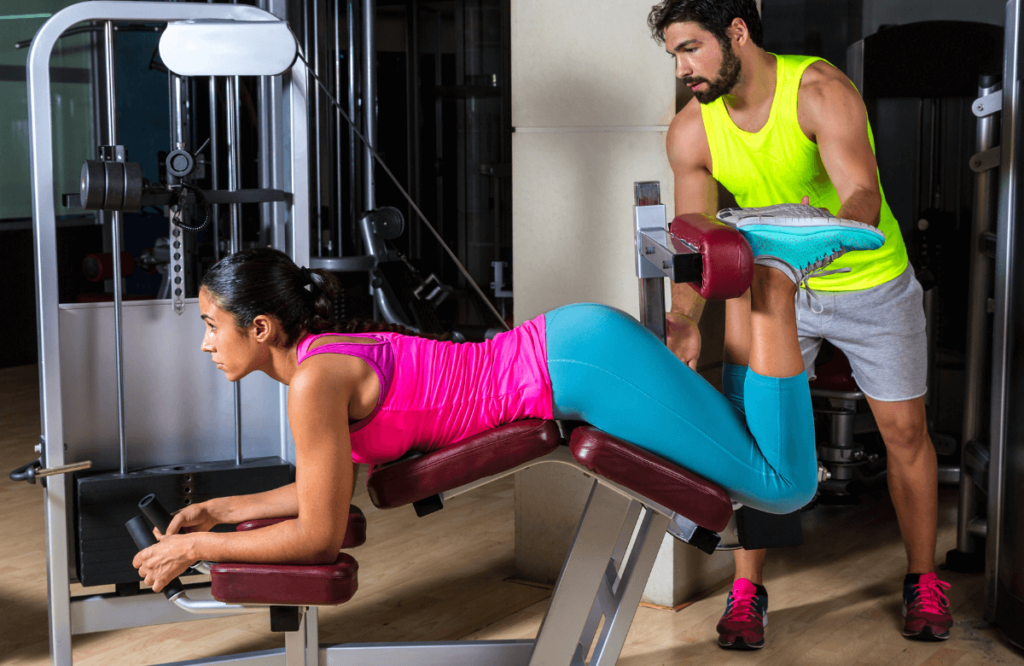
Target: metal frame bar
[56, 495]
[1004, 292]
[977, 340]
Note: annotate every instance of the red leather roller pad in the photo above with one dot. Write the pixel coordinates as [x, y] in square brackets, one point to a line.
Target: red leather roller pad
[726, 255]
[653, 477]
[412, 479]
[286, 584]
[355, 535]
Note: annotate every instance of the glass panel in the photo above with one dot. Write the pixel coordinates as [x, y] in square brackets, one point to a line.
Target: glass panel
[72, 109]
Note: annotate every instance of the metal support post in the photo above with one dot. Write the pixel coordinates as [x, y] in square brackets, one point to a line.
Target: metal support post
[1003, 340]
[978, 335]
[110, 66]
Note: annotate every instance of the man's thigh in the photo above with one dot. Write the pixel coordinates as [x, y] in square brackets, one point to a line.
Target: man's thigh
[882, 332]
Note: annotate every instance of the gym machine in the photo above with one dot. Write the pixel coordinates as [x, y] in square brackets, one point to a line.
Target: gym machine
[990, 525]
[173, 406]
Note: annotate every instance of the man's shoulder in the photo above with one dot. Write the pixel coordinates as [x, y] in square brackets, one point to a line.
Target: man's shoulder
[823, 80]
[686, 137]
[688, 124]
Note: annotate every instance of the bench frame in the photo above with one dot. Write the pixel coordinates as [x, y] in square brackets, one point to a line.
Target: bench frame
[603, 577]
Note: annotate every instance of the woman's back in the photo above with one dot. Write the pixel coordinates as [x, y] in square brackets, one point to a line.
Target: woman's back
[436, 393]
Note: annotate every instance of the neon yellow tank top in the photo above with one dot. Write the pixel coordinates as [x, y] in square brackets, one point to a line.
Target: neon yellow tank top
[779, 164]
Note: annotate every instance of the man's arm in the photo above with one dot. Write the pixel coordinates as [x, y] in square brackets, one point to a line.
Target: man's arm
[695, 192]
[832, 113]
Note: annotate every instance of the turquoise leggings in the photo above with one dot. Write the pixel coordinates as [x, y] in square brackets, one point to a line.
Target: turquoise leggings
[609, 371]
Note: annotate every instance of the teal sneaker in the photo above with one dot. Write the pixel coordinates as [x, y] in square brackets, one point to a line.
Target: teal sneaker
[800, 240]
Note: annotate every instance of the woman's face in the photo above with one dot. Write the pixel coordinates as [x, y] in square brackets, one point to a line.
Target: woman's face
[236, 351]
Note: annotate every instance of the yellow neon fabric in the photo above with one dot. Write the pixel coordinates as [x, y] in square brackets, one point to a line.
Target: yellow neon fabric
[779, 164]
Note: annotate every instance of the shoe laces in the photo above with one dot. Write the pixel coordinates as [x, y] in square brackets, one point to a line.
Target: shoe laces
[742, 606]
[930, 596]
[817, 270]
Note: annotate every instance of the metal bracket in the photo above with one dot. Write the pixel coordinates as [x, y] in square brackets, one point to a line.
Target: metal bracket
[989, 104]
[986, 159]
[499, 280]
[176, 268]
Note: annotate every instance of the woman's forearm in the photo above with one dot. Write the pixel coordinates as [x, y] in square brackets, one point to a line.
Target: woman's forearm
[289, 541]
[278, 503]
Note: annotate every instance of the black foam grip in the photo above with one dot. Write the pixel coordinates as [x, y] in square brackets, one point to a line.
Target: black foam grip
[143, 537]
[157, 513]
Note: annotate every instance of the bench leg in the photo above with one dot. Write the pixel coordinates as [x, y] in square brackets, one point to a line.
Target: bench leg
[583, 573]
[302, 647]
[629, 588]
[611, 576]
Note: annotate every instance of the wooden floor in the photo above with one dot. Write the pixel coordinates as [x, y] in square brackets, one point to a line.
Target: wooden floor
[836, 600]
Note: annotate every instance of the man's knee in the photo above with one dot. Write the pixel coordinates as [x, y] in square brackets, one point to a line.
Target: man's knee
[903, 427]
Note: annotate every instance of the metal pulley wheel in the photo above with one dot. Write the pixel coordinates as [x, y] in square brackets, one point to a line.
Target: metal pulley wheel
[180, 163]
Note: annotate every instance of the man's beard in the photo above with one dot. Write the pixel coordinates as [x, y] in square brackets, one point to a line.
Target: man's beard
[724, 83]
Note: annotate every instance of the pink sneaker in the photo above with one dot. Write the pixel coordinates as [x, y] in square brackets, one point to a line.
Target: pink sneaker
[927, 609]
[746, 615]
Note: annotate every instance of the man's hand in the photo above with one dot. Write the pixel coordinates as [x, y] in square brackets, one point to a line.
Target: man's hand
[683, 338]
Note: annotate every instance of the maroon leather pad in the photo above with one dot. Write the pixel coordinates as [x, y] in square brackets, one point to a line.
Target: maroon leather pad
[411, 479]
[286, 584]
[652, 476]
[836, 375]
[727, 258]
[355, 535]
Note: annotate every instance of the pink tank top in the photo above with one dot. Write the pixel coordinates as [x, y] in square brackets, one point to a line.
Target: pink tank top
[436, 393]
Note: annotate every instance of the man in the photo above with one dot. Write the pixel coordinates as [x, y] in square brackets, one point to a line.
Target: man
[787, 129]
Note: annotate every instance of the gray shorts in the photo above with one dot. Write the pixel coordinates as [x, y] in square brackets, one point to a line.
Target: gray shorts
[881, 330]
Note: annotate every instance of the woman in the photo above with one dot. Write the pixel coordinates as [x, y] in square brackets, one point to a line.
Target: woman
[370, 397]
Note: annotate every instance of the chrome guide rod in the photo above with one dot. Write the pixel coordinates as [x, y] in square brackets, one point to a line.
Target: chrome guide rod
[214, 161]
[234, 180]
[115, 237]
[353, 115]
[369, 99]
[318, 130]
[338, 127]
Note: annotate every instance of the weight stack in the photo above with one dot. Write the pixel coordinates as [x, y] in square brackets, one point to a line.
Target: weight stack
[105, 501]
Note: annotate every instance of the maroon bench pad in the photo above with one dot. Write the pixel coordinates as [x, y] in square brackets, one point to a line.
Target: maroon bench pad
[835, 375]
[414, 478]
[286, 584]
[653, 477]
[726, 256]
[355, 535]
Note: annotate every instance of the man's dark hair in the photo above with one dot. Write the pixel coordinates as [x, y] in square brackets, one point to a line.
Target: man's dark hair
[715, 16]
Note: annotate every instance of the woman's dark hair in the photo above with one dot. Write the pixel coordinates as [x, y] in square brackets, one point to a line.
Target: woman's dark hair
[715, 16]
[264, 281]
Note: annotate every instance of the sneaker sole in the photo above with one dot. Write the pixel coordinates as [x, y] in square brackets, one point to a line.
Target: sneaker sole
[862, 231]
[823, 222]
[926, 636]
[739, 645]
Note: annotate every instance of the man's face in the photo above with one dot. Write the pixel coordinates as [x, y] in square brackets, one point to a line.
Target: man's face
[699, 55]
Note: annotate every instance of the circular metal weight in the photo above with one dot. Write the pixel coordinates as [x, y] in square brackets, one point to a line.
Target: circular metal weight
[389, 222]
[114, 199]
[93, 187]
[132, 186]
[179, 163]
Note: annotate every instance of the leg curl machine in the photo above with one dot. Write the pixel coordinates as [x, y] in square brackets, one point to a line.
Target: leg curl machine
[615, 544]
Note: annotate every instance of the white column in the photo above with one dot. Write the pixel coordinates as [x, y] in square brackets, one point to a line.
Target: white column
[592, 97]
